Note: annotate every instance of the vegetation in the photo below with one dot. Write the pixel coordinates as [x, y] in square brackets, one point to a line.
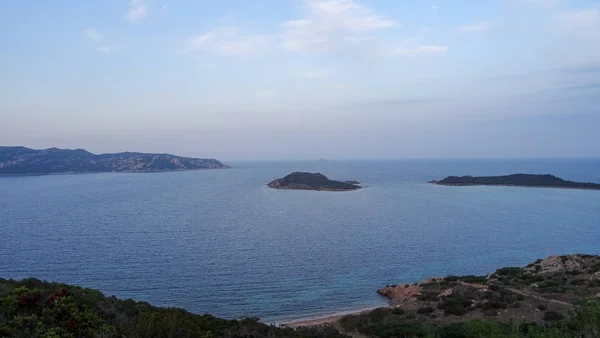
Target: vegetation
[312, 181]
[584, 322]
[32, 308]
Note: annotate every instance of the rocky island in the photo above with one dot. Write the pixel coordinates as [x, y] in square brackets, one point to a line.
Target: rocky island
[26, 161]
[519, 180]
[312, 181]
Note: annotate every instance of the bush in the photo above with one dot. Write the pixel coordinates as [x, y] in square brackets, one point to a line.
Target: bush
[428, 296]
[425, 310]
[398, 311]
[553, 316]
[455, 305]
[454, 330]
[509, 271]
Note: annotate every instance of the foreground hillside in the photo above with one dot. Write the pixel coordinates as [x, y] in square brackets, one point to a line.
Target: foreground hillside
[554, 297]
[32, 308]
[21, 160]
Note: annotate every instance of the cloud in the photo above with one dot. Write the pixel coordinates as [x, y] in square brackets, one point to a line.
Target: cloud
[425, 49]
[227, 40]
[137, 10]
[93, 34]
[474, 27]
[332, 24]
[104, 49]
[435, 8]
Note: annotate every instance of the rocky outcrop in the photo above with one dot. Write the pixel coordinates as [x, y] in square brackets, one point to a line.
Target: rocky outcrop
[312, 181]
[402, 293]
[562, 264]
[22, 161]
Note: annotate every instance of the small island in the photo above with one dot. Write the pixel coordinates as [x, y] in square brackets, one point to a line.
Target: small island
[312, 181]
[518, 180]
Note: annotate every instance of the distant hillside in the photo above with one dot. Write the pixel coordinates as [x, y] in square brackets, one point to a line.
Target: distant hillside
[22, 160]
[523, 180]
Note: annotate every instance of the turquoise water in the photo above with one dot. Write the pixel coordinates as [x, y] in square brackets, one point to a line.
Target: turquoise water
[222, 242]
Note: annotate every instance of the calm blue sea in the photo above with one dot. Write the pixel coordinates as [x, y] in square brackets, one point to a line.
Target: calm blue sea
[222, 242]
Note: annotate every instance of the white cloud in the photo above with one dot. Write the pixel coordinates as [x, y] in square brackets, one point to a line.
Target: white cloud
[104, 49]
[331, 24]
[137, 10]
[226, 40]
[93, 34]
[435, 8]
[427, 49]
[474, 27]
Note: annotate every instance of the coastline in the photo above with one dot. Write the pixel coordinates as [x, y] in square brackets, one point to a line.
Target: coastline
[110, 172]
[326, 319]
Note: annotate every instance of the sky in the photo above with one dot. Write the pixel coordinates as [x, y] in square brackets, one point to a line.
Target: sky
[303, 79]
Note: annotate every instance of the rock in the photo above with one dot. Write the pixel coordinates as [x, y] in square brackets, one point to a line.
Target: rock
[400, 293]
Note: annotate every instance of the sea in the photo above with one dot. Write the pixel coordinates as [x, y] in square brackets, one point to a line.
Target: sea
[222, 242]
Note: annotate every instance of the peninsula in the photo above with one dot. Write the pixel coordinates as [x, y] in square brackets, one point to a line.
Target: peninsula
[558, 296]
[312, 181]
[26, 161]
[519, 180]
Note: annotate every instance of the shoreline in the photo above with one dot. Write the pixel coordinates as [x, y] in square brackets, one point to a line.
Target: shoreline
[326, 319]
[110, 172]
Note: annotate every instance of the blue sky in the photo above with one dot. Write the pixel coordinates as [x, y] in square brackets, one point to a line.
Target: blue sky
[287, 79]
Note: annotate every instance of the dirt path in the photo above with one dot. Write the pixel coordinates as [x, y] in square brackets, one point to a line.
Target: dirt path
[529, 294]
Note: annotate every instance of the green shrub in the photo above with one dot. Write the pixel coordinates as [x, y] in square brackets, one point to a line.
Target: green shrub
[425, 310]
[398, 311]
[428, 296]
[509, 271]
[553, 316]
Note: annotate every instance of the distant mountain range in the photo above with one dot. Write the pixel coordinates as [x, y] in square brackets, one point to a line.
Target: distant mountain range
[22, 161]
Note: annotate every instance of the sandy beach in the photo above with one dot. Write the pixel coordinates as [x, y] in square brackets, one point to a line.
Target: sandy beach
[326, 319]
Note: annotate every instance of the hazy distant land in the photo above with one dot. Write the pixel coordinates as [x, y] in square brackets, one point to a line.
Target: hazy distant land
[24, 161]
